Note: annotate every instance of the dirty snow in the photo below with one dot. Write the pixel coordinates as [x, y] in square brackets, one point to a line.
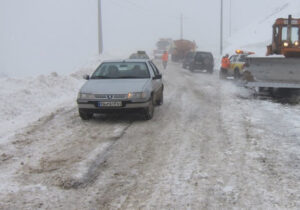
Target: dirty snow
[211, 145]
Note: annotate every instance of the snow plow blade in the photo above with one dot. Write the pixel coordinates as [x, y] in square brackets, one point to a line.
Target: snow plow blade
[272, 72]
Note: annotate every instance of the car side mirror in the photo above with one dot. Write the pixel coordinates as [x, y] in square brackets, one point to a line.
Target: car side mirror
[86, 77]
[159, 76]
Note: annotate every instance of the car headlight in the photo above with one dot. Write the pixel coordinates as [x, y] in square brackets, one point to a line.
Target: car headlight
[85, 96]
[296, 43]
[285, 44]
[137, 95]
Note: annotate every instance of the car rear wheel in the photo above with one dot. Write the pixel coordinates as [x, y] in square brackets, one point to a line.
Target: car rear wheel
[237, 74]
[84, 115]
[149, 111]
[191, 67]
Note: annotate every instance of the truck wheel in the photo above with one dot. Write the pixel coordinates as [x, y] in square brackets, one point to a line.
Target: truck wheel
[149, 111]
[84, 115]
[237, 74]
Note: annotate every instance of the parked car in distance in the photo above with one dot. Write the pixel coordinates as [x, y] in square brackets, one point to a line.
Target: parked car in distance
[158, 54]
[139, 55]
[199, 60]
[237, 63]
[123, 85]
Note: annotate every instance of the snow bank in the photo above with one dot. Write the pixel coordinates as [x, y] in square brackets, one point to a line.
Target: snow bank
[23, 101]
[255, 37]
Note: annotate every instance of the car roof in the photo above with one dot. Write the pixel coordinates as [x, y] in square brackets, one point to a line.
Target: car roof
[127, 61]
[203, 52]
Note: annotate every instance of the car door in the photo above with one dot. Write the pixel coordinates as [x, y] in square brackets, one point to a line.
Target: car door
[199, 60]
[156, 83]
[240, 62]
[232, 64]
[189, 58]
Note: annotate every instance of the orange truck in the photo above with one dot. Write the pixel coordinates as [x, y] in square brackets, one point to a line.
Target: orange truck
[181, 48]
[278, 71]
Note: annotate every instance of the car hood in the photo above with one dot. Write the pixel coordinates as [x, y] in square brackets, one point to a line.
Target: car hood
[114, 86]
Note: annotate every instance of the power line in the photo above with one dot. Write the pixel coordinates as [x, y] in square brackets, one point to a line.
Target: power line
[150, 10]
[143, 11]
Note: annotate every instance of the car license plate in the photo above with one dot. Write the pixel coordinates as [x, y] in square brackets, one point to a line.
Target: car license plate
[109, 103]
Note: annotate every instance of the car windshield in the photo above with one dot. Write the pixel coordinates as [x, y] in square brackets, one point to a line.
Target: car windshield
[121, 70]
[190, 55]
[202, 56]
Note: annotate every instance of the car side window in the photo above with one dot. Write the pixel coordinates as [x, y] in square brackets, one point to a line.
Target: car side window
[242, 58]
[232, 58]
[155, 69]
[198, 57]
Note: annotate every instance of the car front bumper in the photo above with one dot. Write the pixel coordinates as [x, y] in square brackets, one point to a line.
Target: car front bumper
[93, 105]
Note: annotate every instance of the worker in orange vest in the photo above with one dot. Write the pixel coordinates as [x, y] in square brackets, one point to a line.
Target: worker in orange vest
[165, 58]
[225, 64]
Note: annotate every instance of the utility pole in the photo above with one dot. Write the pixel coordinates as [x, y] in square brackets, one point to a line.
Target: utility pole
[100, 34]
[230, 16]
[181, 26]
[221, 29]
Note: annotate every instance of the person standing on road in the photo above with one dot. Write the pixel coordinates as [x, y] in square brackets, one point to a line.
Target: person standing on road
[224, 66]
[165, 58]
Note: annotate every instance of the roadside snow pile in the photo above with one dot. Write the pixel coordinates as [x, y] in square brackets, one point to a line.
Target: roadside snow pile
[23, 101]
[26, 100]
[255, 37]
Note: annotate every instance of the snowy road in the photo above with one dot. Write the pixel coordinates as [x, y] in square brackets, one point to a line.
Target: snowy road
[209, 146]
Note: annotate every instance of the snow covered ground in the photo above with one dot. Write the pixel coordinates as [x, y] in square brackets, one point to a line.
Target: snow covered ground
[211, 145]
[25, 100]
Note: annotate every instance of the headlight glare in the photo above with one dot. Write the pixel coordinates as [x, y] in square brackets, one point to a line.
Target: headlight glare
[296, 43]
[285, 44]
[137, 95]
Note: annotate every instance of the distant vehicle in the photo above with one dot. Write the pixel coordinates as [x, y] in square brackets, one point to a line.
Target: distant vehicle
[130, 85]
[164, 44]
[181, 48]
[139, 55]
[158, 54]
[237, 63]
[199, 61]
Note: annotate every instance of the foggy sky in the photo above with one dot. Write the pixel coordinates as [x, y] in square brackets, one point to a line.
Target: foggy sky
[41, 36]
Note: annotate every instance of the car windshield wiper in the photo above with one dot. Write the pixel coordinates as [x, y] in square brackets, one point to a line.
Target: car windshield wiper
[101, 77]
[130, 77]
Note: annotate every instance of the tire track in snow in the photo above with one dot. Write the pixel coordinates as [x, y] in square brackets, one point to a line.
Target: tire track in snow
[89, 169]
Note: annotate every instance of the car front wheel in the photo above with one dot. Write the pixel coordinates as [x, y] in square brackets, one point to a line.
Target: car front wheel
[160, 101]
[85, 115]
[237, 74]
[149, 111]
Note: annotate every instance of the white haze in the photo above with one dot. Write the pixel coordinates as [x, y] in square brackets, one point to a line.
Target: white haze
[42, 36]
